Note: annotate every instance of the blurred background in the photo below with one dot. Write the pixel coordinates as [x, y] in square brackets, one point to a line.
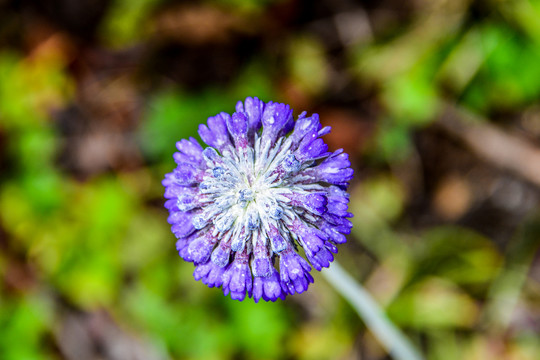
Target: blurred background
[436, 101]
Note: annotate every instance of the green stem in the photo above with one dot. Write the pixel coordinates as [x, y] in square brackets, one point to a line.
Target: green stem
[395, 342]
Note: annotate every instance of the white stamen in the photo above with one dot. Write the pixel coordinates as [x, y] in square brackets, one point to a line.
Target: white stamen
[245, 192]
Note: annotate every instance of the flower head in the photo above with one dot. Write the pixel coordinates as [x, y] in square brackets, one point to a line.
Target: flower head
[265, 186]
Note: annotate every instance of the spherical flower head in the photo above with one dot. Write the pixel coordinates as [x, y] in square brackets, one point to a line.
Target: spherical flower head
[264, 187]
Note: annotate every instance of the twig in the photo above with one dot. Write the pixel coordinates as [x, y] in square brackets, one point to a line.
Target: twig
[504, 150]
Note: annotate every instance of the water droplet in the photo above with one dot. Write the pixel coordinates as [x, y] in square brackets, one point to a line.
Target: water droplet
[185, 203]
[238, 243]
[278, 244]
[218, 172]
[210, 154]
[290, 163]
[224, 222]
[276, 212]
[246, 195]
[198, 222]
[253, 220]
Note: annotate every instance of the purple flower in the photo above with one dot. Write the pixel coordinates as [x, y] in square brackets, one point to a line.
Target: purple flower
[265, 186]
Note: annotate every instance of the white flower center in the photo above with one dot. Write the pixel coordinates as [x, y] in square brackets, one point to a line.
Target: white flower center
[244, 190]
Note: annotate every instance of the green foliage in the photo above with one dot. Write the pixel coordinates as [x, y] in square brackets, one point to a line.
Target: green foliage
[127, 20]
[173, 114]
[30, 88]
[101, 242]
[245, 6]
[248, 319]
[392, 142]
[507, 79]
[447, 262]
[434, 304]
[308, 66]
[24, 321]
[457, 254]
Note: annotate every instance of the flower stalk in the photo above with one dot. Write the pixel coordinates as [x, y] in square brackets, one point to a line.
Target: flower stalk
[395, 342]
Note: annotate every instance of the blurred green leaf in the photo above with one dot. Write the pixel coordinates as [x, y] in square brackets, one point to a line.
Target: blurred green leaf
[260, 326]
[36, 149]
[412, 98]
[318, 342]
[188, 331]
[245, 6]
[444, 345]
[148, 238]
[126, 21]
[89, 272]
[458, 254]
[376, 203]
[30, 88]
[24, 321]
[433, 303]
[392, 142]
[256, 79]
[308, 65]
[154, 313]
[525, 13]
[173, 115]
[506, 290]
[467, 56]
[508, 77]
[384, 195]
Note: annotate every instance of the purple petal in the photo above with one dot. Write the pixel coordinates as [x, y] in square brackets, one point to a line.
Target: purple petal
[187, 174]
[311, 238]
[276, 119]
[278, 242]
[341, 224]
[237, 278]
[294, 272]
[200, 249]
[338, 207]
[333, 233]
[334, 170]
[189, 151]
[182, 245]
[305, 126]
[210, 274]
[261, 264]
[262, 267]
[216, 134]
[238, 128]
[268, 288]
[313, 202]
[174, 191]
[220, 255]
[311, 148]
[254, 108]
[322, 258]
